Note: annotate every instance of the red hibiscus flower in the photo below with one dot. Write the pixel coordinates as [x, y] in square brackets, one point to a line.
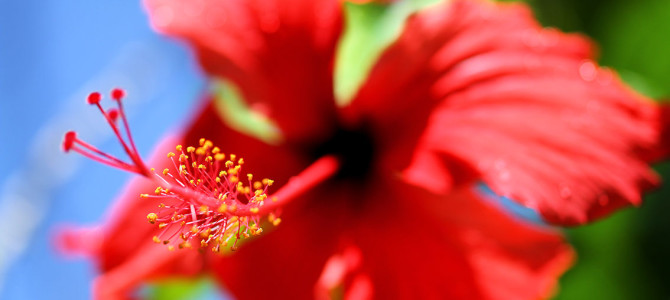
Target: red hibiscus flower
[471, 92]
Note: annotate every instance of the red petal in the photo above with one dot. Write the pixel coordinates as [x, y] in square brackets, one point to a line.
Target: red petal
[279, 53]
[520, 105]
[396, 241]
[469, 251]
[286, 262]
[124, 247]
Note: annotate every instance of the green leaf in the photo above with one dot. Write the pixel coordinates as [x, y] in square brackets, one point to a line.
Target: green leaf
[370, 28]
[235, 112]
[181, 289]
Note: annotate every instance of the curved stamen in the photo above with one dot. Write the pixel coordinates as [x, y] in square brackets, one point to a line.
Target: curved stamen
[209, 202]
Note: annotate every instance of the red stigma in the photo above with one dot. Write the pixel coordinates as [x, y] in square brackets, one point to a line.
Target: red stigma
[136, 165]
[209, 200]
[117, 94]
[68, 140]
[113, 114]
[94, 98]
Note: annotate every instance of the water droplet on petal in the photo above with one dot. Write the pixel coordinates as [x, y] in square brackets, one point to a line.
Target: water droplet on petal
[531, 38]
[503, 175]
[163, 16]
[588, 71]
[565, 192]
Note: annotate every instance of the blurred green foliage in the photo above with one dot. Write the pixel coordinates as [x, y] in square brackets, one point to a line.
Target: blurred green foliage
[626, 255]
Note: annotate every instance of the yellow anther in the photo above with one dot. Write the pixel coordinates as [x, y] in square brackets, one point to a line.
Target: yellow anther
[204, 233]
[229, 164]
[202, 141]
[179, 147]
[258, 185]
[204, 209]
[258, 192]
[233, 179]
[158, 190]
[272, 217]
[170, 154]
[270, 182]
[240, 188]
[162, 225]
[190, 149]
[232, 156]
[222, 173]
[170, 248]
[258, 232]
[156, 240]
[265, 181]
[219, 156]
[203, 243]
[209, 158]
[202, 167]
[216, 150]
[208, 144]
[218, 180]
[223, 196]
[200, 151]
[161, 205]
[193, 164]
[240, 161]
[192, 181]
[144, 195]
[166, 171]
[246, 190]
[233, 208]
[223, 208]
[152, 169]
[185, 245]
[183, 158]
[254, 210]
[194, 229]
[246, 235]
[250, 176]
[276, 222]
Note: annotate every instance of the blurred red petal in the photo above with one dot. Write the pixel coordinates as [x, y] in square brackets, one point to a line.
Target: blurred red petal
[280, 53]
[519, 105]
[290, 257]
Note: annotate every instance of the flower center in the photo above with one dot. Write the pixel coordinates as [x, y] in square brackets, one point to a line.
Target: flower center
[355, 150]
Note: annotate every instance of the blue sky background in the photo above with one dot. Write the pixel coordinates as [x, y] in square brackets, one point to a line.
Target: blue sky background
[52, 54]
